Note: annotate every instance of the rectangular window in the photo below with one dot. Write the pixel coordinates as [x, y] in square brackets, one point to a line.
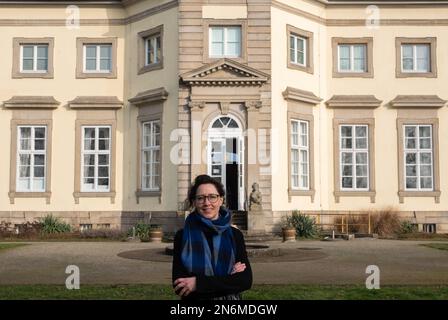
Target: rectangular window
[34, 58]
[31, 158]
[354, 157]
[297, 47]
[225, 41]
[150, 156]
[300, 167]
[95, 158]
[415, 58]
[98, 58]
[153, 49]
[418, 157]
[352, 57]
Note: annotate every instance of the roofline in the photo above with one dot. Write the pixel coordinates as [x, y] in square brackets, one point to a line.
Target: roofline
[64, 2]
[383, 3]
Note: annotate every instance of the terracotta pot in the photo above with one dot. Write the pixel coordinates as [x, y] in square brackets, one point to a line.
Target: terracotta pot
[289, 234]
[155, 235]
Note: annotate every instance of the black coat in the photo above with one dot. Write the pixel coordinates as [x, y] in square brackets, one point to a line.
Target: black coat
[208, 287]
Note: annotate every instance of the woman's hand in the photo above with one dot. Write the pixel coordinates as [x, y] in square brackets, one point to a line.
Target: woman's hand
[188, 285]
[238, 267]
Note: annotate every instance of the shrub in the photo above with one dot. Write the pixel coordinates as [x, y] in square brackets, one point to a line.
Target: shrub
[386, 223]
[142, 230]
[408, 227]
[113, 234]
[305, 225]
[6, 229]
[51, 225]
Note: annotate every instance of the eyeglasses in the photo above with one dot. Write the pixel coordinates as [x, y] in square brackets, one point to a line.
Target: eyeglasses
[212, 198]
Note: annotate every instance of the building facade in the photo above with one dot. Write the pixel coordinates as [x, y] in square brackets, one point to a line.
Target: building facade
[111, 108]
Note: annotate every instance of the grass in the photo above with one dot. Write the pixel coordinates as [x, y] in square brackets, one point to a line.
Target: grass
[423, 236]
[259, 292]
[440, 246]
[6, 246]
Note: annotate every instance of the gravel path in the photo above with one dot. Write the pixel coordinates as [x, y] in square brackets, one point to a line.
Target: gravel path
[343, 262]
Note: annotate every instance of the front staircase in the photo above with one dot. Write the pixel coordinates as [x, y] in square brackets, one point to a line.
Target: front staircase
[239, 219]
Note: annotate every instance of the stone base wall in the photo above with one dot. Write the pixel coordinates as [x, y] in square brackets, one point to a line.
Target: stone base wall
[327, 218]
[123, 220]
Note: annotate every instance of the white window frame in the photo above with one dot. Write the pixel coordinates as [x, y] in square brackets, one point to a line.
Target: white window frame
[96, 153]
[151, 149]
[305, 48]
[152, 38]
[352, 57]
[417, 152]
[414, 57]
[354, 150]
[299, 149]
[35, 46]
[98, 57]
[225, 53]
[31, 152]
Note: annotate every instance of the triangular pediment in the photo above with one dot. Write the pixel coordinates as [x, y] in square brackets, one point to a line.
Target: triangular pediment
[225, 72]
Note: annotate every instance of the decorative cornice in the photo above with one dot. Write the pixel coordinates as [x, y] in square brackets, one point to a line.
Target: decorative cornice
[32, 102]
[149, 96]
[196, 105]
[362, 22]
[294, 94]
[85, 22]
[95, 102]
[246, 76]
[253, 105]
[417, 101]
[353, 101]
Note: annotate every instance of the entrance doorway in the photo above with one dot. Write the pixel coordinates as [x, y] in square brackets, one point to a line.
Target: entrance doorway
[225, 159]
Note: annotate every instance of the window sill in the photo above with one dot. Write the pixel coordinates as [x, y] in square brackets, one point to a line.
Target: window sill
[214, 59]
[408, 194]
[339, 194]
[41, 75]
[416, 75]
[95, 194]
[340, 74]
[86, 75]
[17, 194]
[301, 193]
[148, 194]
[150, 67]
[304, 68]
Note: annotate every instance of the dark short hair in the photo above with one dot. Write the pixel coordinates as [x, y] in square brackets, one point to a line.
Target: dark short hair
[204, 179]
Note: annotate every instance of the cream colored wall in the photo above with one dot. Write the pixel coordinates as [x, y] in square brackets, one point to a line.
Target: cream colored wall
[142, 6]
[41, 12]
[64, 87]
[384, 86]
[167, 78]
[283, 77]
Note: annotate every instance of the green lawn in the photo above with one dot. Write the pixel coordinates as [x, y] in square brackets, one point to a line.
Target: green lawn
[262, 292]
[440, 246]
[5, 246]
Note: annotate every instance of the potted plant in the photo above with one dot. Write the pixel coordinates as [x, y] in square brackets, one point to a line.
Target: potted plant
[155, 233]
[288, 229]
[142, 231]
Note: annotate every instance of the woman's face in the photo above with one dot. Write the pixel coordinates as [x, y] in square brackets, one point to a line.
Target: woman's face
[206, 208]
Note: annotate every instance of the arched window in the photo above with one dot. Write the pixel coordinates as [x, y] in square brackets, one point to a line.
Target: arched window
[225, 123]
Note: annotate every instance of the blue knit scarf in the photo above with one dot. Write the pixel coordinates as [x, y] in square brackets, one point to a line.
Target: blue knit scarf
[196, 254]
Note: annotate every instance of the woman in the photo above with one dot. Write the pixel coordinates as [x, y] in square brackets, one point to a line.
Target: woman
[210, 259]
